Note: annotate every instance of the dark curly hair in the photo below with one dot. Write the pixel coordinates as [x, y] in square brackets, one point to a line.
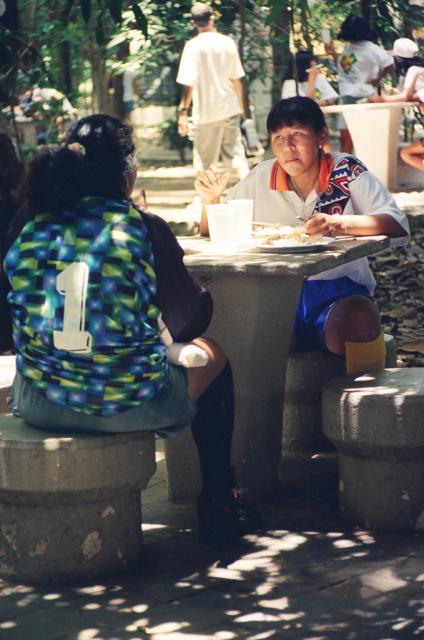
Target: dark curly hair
[98, 160]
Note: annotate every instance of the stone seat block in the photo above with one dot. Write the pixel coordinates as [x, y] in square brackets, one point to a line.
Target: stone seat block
[375, 421]
[304, 445]
[70, 506]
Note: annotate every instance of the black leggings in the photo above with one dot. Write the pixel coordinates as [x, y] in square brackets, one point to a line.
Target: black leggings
[212, 430]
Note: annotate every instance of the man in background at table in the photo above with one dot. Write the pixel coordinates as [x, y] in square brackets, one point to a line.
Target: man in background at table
[210, 71]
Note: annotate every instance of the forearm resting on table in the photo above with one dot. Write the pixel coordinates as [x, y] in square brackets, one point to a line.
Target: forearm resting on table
[375, 225]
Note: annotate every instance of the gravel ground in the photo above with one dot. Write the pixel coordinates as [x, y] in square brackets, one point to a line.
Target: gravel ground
[400, 294]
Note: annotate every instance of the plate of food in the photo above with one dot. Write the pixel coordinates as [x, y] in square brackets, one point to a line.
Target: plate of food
[285, 239]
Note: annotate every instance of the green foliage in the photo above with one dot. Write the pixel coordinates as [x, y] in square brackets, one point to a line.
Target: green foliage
[169, 135]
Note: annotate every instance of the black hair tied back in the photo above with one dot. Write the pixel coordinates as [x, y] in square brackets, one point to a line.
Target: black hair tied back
[56, 180]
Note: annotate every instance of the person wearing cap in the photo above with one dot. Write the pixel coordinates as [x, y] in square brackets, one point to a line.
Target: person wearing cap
[361, 66]
[409, 66]
[210, 71]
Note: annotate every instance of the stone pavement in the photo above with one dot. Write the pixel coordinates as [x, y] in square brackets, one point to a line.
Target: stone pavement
[305, 576]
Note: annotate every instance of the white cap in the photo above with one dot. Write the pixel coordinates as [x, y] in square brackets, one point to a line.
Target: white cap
[404, 48]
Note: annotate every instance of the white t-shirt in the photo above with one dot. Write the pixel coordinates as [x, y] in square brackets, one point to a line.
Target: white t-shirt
[358, 65]
[368, 196]
[419, 85]
[208, 63]
[323, 89]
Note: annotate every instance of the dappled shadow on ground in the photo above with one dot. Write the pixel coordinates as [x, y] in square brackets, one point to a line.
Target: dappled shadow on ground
[304, 576]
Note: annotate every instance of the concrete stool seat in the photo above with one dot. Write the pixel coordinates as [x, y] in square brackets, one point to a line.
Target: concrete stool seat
[376, 422]
[70, 506]
[305, 452]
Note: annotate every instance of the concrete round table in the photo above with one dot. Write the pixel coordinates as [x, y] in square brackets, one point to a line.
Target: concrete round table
[255, 301]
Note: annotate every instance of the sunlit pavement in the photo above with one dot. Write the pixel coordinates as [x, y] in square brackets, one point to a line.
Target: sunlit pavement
[305, 576]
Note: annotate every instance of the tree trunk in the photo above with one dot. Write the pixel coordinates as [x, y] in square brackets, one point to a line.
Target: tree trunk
[304, 16]
[118, 94]
[242, 13]
[280, 44]
[65, 52]
[100, 99]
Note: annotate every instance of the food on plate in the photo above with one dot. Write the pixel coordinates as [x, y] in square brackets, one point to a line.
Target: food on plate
[279, 235]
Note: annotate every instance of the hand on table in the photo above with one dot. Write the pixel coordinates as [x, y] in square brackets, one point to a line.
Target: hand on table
[324, 224]
[210, 185]
[375, 99]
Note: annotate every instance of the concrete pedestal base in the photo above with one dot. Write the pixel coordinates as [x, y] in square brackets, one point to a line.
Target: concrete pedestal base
[375, 421]
[70, 506]
[385, 495]
[182, 467]
[303, 442]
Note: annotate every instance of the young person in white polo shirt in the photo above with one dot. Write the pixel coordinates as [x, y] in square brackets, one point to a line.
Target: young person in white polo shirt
[335, 195]
[210, 72]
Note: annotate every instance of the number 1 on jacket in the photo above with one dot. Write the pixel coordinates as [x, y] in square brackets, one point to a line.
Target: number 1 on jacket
[72, 283]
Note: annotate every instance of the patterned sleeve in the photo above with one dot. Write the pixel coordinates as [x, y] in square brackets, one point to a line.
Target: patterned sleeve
[370, 197]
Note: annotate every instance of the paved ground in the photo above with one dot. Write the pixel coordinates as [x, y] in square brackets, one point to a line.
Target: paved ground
[305, 576]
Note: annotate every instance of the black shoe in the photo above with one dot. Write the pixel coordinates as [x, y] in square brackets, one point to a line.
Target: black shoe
[224, 518]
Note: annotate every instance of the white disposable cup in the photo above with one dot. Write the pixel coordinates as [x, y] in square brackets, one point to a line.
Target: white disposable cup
[244, 209]
[223, 226]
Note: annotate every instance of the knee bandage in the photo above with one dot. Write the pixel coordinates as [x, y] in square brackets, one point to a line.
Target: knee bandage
[365, 356]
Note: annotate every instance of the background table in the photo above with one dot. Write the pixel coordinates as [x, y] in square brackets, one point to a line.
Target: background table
[374, 128]
[255, 301]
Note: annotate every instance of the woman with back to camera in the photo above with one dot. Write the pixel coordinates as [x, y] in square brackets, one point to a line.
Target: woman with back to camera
[409, 66]
[361, 66]
[98, 364]
[334, 195]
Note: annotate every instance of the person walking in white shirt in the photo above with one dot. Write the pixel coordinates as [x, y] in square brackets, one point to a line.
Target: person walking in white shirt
[210, 71]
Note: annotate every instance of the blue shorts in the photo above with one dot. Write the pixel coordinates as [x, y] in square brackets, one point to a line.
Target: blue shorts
[317, 299]
[167, 413]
